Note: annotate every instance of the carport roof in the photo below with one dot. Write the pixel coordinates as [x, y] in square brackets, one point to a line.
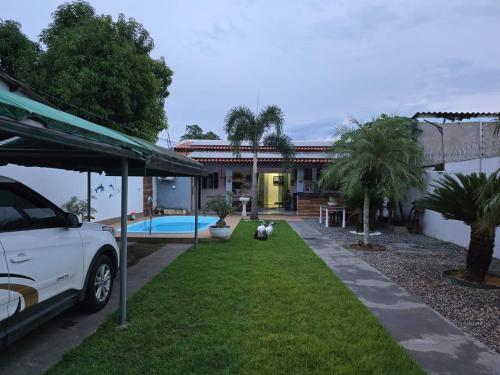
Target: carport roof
[36, 134]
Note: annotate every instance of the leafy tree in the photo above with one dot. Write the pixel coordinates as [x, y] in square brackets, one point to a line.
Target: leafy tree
[18, 54]
[104, 67]
[381, 156]
[96, 64]
[463, 197]
[196, 132]
[266, 128]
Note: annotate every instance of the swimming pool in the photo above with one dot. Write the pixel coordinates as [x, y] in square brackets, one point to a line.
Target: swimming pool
[172, 224]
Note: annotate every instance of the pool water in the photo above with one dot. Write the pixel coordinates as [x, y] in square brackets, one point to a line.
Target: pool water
[172, 224]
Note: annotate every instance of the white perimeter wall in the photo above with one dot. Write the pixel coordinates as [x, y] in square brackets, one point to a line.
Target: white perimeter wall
[452, 230]
[59, 185]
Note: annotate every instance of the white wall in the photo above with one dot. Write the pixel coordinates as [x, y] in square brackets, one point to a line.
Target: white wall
[59, 185]
[452, 230]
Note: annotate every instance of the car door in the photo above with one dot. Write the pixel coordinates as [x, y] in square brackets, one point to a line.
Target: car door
[44, 257]
[4, 294]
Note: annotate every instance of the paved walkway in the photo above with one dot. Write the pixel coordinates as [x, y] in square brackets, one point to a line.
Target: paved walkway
[435, 343]
[44, 347]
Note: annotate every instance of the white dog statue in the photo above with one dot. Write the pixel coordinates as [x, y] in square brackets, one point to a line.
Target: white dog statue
[261, 233]
[269, 229]
[261, 229]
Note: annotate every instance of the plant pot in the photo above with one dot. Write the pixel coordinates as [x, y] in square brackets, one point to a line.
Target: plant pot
[332, 204]
[217, 232]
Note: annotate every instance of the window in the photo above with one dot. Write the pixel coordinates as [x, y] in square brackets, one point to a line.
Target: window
[210, 182]
[20, 211]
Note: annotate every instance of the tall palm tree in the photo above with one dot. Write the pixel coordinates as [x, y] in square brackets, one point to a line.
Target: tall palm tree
[381, 155]
[266, 128]
[463, 197]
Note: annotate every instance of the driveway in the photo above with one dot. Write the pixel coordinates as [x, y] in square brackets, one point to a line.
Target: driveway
[45, 346]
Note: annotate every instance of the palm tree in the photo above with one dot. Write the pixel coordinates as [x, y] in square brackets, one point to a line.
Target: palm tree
[266, 128]
[381, 155]
[463, 198]
[490, 196]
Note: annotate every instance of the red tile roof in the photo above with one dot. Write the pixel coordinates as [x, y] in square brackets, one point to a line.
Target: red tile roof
[261, 160]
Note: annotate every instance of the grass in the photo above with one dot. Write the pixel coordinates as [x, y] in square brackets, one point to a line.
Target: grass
[243, 306]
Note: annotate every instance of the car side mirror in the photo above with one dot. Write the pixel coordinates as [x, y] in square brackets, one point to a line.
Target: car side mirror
[73, 220]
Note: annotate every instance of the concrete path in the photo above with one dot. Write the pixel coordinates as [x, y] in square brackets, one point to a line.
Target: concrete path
[435, 343]
[44, 347]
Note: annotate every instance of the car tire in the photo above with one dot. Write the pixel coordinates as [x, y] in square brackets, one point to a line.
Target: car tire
[99, 285]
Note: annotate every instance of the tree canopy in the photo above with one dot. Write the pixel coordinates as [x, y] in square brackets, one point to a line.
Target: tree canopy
[196, 132]
[96, 68]
[382, 155]
[18, 54]
[381, 158]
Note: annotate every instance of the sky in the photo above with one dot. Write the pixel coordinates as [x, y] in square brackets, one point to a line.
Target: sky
[322, 62]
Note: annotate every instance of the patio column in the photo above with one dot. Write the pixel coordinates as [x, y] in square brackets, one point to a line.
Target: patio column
[300, 180]
[196, 192]
[314, 178]
[123, 246]
[229, 182]
[89, 195]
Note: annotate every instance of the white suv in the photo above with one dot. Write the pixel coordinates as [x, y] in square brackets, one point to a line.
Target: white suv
[49, 261]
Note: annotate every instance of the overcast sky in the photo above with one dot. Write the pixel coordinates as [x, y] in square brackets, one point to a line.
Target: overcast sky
[322, 62]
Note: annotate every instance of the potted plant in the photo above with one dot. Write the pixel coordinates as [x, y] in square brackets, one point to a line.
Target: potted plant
[332, 201]
[79, 207]
[131, 216]
[222, 208]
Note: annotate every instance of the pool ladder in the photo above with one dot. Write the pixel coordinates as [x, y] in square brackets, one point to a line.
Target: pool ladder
[150, 201]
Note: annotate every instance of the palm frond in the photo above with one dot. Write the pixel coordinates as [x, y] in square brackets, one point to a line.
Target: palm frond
[489, 200]
[455, 197]
[239, 126]
[271, 116]
[283, 144]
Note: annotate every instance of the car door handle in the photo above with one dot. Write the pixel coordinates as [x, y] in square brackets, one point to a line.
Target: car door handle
[20, 258]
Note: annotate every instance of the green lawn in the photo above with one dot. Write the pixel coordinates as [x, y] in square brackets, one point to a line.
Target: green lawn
[243, 306]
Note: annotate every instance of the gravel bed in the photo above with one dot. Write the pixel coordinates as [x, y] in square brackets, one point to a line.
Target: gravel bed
[416, 263]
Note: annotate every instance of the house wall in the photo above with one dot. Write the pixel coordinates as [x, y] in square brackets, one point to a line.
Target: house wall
[169, 197]
[59, 186]
[434, 225]
[180, 197]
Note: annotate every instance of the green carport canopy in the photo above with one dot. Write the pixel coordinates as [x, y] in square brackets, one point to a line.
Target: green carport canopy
[36, 134]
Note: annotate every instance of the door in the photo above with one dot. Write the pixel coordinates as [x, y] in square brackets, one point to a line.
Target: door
[44, 258]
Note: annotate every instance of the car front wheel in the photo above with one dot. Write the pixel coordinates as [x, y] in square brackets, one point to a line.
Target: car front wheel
[100, 284]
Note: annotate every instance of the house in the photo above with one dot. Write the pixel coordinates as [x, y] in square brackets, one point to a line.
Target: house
[281, 187]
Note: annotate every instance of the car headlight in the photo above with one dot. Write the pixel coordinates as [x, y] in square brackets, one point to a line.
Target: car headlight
[109, 229]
